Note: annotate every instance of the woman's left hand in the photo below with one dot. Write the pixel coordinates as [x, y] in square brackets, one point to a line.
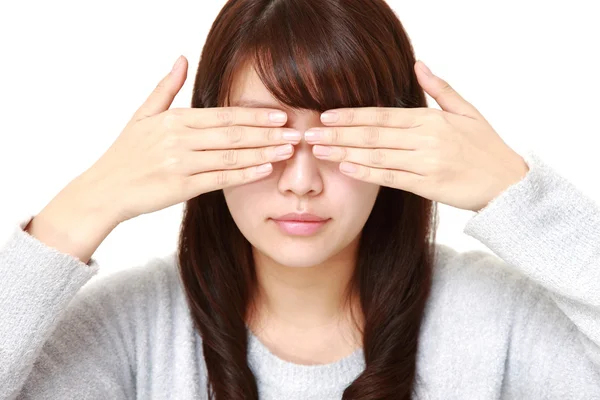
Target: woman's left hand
[452, 156]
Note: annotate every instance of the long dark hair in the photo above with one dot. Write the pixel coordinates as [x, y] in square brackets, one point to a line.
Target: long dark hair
[315, 55]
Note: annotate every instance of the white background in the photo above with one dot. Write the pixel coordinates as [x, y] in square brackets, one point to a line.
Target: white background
[72, 74]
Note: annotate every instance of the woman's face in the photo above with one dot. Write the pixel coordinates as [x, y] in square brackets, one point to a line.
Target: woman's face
[301, 184]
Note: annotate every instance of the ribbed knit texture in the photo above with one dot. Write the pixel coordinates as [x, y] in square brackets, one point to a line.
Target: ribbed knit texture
[521, 323]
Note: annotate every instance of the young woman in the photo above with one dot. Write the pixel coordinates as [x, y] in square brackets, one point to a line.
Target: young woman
[307, 266]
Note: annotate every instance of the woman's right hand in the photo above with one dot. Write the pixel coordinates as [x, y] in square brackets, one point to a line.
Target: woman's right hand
[161, 158]
[164, 157]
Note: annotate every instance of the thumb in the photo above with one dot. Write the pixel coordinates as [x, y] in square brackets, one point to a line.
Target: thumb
[448, 98]
[163, 95]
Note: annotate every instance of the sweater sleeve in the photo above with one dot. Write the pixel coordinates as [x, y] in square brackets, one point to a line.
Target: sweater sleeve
[55, 342]
[549, 231]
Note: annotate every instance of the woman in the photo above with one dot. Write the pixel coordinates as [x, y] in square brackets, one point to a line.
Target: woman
[319, 277]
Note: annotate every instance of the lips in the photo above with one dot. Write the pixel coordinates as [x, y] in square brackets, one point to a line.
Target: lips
[304, 217]
[305, 224]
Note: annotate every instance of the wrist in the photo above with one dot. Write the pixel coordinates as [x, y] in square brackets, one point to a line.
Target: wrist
[75, 222]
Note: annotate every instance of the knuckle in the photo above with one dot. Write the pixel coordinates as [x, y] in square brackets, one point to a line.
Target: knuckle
[221, 178]
[234, 133]
[336, 134]
[225, 115]
[230, 157]
[258, 117]
[261, 155]
[389, 177]
[343, 153]
[170, 120]
[446, 88]
[234, 113]
[382, 116]
[271, 134]
[366, 173]
[377, 156]
[244, 175]
[349, 116]
[371, 135]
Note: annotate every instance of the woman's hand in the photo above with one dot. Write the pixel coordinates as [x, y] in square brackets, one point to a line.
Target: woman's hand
[164, 157]
[451, 156]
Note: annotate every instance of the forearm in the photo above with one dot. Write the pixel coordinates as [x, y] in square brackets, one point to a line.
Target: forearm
[37, 285]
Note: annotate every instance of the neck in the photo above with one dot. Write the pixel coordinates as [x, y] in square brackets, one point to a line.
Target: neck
[305, 299]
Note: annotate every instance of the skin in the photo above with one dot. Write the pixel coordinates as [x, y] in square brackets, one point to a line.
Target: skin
[302, 280]
[452, 156]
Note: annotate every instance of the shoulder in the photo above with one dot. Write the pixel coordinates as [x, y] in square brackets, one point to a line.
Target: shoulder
[477, 285]
[155, 277]
[134, 296]
[475, 270]
[480, 293]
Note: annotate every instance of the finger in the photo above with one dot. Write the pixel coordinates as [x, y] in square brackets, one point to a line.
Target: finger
[163, 95]
[444, 94]
[228, 116]
[367, 136]
[206, 182]
[375, 116]
[397, 179]
[409, 160]
[236, 136]
[204, 161]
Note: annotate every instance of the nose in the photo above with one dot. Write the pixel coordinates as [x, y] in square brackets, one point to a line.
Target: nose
[301, 175]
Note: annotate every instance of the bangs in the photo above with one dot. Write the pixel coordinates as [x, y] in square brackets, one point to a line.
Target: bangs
[314, 62]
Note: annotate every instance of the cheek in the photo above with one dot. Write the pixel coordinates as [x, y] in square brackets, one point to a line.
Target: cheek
[247, 200]
[343, 189]
[249, 190]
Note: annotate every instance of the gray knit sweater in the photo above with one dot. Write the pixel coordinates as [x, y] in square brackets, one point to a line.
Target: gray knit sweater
[521, 324]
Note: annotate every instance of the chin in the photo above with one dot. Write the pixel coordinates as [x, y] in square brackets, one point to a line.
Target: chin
[296, 253]
[299, 259]
[301, 250]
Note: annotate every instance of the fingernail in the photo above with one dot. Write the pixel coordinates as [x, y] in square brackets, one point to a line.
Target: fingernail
[330, 117]
[293, 136]
[277, 116]
[177, 64]
[263, 169]
[313, 135]
[322, 150]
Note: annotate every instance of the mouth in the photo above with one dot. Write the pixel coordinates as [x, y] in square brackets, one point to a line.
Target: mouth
[300, 224]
